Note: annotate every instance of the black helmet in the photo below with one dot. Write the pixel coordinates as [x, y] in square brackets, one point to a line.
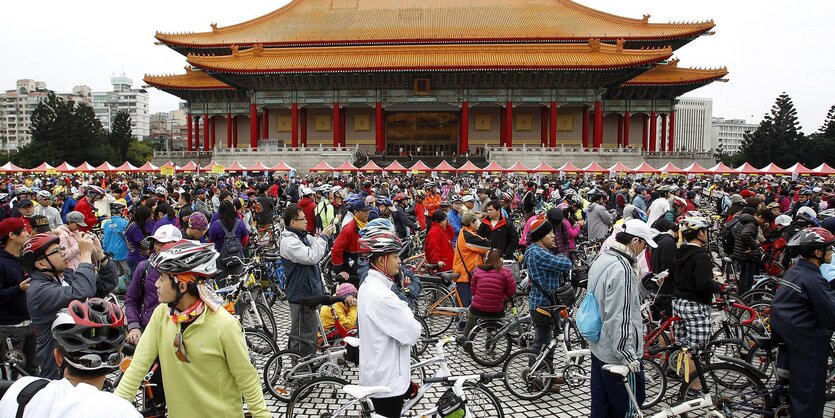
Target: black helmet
[90, 334]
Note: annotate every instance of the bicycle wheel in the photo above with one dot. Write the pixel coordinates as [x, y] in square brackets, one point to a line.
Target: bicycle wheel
[522, 380]
[573, 339]
[259, 318]
[437, 321]
[279, 375]
[261, 348]
[734, 390]
[487, 349]
[323, 397]
[421, 346]
[481, 401]
[655, 384]
[520, 302]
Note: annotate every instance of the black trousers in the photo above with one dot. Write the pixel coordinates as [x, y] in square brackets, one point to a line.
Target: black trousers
[807, 359]
[390, 407]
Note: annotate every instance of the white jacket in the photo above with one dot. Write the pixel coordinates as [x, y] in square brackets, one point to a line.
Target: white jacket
[389, 329]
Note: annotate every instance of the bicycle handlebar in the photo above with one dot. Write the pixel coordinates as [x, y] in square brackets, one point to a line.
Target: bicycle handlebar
[483, 377]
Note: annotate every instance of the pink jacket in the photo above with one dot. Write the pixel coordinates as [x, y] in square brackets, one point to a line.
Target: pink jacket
[491, 288]
[70, 245]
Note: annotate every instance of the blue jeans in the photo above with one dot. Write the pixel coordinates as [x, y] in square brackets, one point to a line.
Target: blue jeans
[542, 333]
[464, 293]
[608, 393]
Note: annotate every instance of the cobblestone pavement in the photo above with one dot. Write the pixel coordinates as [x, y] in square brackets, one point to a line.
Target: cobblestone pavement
[567, 403]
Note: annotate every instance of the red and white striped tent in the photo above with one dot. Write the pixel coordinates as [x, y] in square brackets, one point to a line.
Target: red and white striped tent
[801, 170]
[346, 167]
[721, 168]
[469, 167]
[257, 167]
[281, 166]
[420, 167]
[544, 167]
[190, 167]
[619, 167]
[444, 168]
[321, 168]
[65, 167]
[774, 170]
[746, 168]
[594, 168]
[105, 167]
[395, 167]
[518, 167]
[126, 167]
[235, 167]
[569, 168]
[11, 168]
[645, 168]
[696, 168]
[370, 167]
[825, 170]
[671, 168]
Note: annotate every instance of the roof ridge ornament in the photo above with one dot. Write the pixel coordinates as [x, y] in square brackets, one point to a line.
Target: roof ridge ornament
[645, 20]
[594, 44]
[619, 45]
[234, 49]
[214, 26]
[673, 63]
[189, 68]
[257, 50]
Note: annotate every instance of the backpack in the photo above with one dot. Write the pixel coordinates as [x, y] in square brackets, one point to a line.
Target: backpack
[232, 246]
[726, 236]
[588, 319]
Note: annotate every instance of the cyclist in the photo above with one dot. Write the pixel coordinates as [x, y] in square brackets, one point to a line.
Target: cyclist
[13, 287]
[53, 286]
[803, 315]
[345, 254]
[45, 209]
[388, 326]
[200, 345]
[85, 206]
[400, 219]
[85, 356]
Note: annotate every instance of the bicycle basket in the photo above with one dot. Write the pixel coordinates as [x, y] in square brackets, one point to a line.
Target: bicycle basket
[450, 405]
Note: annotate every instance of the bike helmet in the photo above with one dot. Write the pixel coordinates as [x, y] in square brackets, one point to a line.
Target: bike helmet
[4, 197]
[400, 196]
[187, 256]
[44, 194]
[383, 242]
[570, 192]
[376, 226]
[385, 201]
[689, 224]
[92, 191]
[90, 334]
[639, 214]
[34, 248]
[826, 214]
[811, 239]
[22, 190]
[355, 202]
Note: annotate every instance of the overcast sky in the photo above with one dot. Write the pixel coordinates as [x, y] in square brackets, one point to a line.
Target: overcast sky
[769, 46]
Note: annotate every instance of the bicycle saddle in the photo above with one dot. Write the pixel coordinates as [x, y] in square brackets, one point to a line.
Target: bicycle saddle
[314, 301]
[450, 276]
[360, 392]
[616, 369]
[767, 342]
[272, 257]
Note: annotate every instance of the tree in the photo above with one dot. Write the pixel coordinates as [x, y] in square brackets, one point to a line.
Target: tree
[120, 135]
[828, 128]
[139, 153]
[777, 139]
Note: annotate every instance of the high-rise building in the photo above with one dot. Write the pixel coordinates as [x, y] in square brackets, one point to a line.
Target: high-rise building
[124, 98]
[729, 133]
[692, 124]
[79, 94]
[16, 107]
[170, 127]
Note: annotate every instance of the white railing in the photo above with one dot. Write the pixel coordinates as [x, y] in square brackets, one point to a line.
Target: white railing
[574, 150]
[285, 149]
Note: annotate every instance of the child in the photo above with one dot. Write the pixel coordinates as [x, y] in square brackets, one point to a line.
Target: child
[346, 311]
[115, 243]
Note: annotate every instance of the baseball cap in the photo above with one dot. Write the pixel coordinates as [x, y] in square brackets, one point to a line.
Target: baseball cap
[9, 225]
[39, 224]
[306, 191]
[76, 217]
[640, 229]
[784, 220]
[25, 203]
[467, 198]
[167, 233]
[199, 191]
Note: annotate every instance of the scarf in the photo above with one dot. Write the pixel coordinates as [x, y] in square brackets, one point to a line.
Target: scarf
[360, 224]
[190, 314]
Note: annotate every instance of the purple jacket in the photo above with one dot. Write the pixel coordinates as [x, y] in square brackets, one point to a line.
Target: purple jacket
[134, 237]
[138, 312]
[165, 221]
[491, 288]
[216, 234]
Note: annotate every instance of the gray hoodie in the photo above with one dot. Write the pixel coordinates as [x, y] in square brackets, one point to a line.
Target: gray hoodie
[614, 282]
[598, 221]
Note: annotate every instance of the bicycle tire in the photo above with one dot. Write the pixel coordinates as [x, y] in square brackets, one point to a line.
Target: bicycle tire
[573, 339]
[493, 354]
[755, 392]
[520, 301]
[490, 407]
[321, 397]
[420, 347]
[261, 348]
[276, 375]
[248, 321]
[655, 383]
[437, 322]
[517, 375]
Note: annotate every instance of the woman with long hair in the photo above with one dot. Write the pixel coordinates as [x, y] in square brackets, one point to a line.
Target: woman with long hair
[138, 230]
[164, 215]
[491, 285]
[227, 220]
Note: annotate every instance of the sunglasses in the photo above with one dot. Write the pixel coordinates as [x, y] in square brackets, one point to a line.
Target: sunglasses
[94, 361]
[180, 346]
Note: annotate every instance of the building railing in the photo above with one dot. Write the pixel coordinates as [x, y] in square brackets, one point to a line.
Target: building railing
[260, 150]
[573, 150]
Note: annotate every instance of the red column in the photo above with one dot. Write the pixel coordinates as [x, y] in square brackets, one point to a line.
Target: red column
[620, 130]
[343, 138]
[586, 127]
[228, 130]
[304, 127]
[508, 124]
[671, 139]
[653, 128]
[235, 131]
[189, 143]
[253, 126]
[543, 126]
[196, 133]
[464, 124]
[294, 125]
[336, 124]
[598, 124]
[502, 130]
[663, 143]
[206, 137]
[552, 122]
[625, 130]
[645, 126]
[214, 122]
[379, 137]
[265, 120]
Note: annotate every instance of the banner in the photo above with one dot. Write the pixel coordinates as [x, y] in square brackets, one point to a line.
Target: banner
[51, 172]
[218, 169]
[166, 171]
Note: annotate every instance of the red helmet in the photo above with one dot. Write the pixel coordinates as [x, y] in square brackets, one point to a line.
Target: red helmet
[34, 248]
[400, 196]
[811, 238]
[91, 334]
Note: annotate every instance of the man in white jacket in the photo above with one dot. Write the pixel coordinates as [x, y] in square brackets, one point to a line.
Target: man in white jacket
[388, 326]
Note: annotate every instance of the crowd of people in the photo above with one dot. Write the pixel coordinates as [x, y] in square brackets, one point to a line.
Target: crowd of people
[69, 241]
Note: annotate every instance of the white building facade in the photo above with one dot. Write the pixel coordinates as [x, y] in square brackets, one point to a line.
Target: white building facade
[16, 107]
[729, 133]
[693, 124]
[127, 99]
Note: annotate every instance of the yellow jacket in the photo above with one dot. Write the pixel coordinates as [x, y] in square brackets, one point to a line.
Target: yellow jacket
[347, 316]
[219, 373]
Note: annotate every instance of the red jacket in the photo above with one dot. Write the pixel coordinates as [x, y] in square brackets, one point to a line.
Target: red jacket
[346, 245]
[438, 246]
[420, 215]
[307, 206]
[491, 288]
[89, 218]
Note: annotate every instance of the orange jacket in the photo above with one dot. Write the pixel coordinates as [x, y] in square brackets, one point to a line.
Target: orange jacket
[432, 202]
[469, 253]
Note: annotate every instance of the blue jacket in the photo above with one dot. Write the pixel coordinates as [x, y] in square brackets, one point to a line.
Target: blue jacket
[300, 256]
[804, 306]
[69, 206]
[454, 219]
[114, 237]
[12, 299]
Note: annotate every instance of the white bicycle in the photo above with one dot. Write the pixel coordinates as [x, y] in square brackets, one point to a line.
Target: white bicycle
[333, 397]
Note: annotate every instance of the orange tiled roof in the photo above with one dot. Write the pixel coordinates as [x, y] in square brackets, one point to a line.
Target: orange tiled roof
[191, 80]
[592, 55]
[330, 22]
[671, 73]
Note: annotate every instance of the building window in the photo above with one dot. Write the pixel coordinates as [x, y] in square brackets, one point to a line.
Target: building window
[422, 87]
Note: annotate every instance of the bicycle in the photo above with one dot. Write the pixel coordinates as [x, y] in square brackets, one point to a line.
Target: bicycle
[150, 402]
[14, 361]
[439, 303]
[241, 300]
[336, 397]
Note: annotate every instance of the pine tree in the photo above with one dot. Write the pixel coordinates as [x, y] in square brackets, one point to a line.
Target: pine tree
[777, 139]
[120, 135]
[828, 129]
